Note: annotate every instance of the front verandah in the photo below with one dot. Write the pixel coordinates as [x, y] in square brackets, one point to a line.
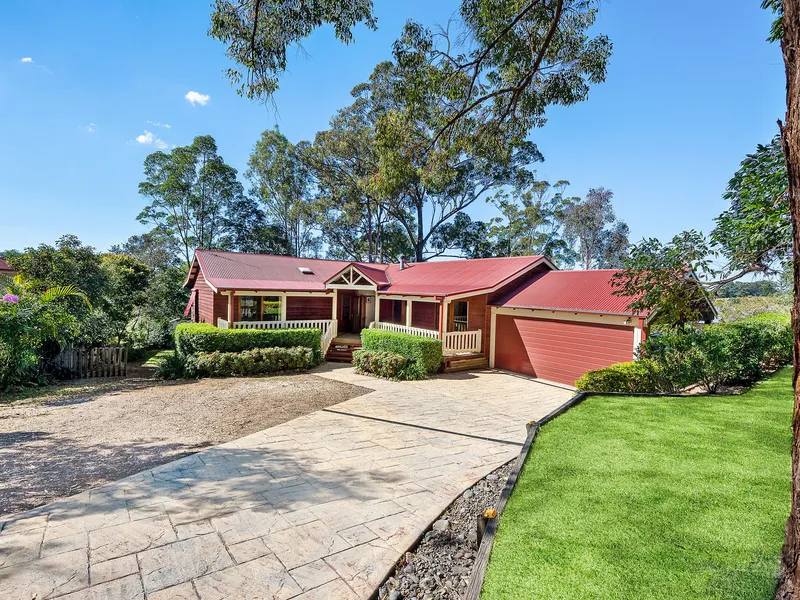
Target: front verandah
[352, 310]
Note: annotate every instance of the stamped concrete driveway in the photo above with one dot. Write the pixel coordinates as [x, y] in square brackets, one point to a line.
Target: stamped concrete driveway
[318, 508]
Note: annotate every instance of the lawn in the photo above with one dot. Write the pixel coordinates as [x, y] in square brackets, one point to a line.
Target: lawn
[678, 498]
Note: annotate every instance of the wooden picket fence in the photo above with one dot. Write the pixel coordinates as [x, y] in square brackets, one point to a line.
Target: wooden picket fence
[78, 363]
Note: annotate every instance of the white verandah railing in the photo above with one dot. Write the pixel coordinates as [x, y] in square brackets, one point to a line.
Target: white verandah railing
[328, 327]
[454, 342]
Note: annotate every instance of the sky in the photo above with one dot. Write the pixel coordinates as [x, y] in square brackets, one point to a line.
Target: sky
[88, 89]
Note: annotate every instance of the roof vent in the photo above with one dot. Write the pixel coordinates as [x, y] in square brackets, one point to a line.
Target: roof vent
[305, 270]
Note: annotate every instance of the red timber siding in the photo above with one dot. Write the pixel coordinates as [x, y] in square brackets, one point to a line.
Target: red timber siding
[425, 315]
[478, 317]
[309, 307]
[559, 351]
[205, 300]
[387, 313]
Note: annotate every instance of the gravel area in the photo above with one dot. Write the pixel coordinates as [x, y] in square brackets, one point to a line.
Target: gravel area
[52, 447]
[440, 567]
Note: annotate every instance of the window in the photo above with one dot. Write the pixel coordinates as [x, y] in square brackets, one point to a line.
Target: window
[460, 316]
[249, 308]
[305, 270]
[271, 308]
[260, 308]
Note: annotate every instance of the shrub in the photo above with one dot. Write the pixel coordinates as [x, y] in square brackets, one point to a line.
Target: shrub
[203, 338]
[637, 377]
[424, 355]
[258, 361]
[382, 364]
[720, 354]
[171, 366]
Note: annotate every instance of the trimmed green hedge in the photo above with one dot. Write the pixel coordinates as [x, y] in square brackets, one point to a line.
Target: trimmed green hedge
[258, 361]
[424, 355]
[737, 353]
[381, 364]
[199, 338]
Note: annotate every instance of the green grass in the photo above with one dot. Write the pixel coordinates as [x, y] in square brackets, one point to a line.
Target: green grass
[673, 498]
[154, 357]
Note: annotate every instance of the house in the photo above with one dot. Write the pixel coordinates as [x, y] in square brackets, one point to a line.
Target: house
[6, 270]
[520, 313]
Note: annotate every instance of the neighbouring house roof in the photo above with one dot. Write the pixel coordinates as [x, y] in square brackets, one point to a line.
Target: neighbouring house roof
[263, 272]
[5, 268]
[578, 291]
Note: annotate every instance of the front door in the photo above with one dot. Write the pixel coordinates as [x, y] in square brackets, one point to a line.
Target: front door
[351, 310]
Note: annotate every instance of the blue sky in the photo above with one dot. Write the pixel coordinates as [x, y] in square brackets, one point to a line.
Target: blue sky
[692, 87]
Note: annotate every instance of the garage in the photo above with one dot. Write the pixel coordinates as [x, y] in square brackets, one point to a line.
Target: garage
[559, 350]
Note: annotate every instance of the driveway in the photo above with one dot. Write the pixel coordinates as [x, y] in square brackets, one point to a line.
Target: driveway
[316, 508]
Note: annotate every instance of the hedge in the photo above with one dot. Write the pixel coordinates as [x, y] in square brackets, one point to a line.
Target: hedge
[381, 364]
[258, 361]
[423, 355]
[737, 353]
[199, 338]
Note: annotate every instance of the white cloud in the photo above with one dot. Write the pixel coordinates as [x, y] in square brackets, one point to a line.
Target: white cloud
[26, 59]
[148, 138]
[198, 98]
[157, 124]
[90, 128]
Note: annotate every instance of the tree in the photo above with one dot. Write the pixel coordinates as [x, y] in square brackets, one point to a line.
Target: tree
[191, 190]
[249, 230]
[661, 279]
[511, 61]
[742, 289]
[602, 239]
[157, 249]
[127, 282]
[532, 221]
[787, 28]
[755, 233]
[281, 181]
[342, 159]
[258, 33]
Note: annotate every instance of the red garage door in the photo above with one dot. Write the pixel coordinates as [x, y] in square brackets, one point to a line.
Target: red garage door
[559, 351]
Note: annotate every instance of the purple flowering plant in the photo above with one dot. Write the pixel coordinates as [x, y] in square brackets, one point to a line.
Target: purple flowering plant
[11, 298]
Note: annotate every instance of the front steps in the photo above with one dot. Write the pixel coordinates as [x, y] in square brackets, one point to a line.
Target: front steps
[464, 362]
[342, 351]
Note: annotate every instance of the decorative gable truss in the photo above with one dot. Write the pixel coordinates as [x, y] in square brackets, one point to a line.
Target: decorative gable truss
[351, 279]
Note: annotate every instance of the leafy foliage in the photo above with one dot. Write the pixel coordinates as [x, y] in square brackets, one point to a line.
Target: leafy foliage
[191, 191]
[753, 236]
[259, 32]
[171, 366]
[258, 361]
[755, 233]
[382, 364]
[424, 355]
[724, 354]
[658, 279]
[740, 308]
[740, 289]
[282, 183]
[637, 377]
[601, 238]
[203, 338]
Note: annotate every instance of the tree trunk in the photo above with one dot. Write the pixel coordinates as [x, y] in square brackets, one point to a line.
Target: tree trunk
[789, 577]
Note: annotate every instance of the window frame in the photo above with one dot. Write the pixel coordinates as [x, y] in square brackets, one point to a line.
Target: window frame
[459, 325]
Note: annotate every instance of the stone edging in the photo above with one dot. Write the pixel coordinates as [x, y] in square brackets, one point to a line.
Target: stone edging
[485, 549]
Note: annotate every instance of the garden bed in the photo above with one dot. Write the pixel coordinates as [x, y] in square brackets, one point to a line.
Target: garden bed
[91, 433]
[651, 497]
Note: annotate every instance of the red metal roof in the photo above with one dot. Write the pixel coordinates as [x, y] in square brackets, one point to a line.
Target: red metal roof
[578, 291]
[450, 277]
[235, 270]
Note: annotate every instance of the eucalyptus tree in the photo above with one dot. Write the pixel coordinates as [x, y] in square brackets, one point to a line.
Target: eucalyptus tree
[601, 239]
[190, 190]
[510, 60]
[282, 182]
[342, 158]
